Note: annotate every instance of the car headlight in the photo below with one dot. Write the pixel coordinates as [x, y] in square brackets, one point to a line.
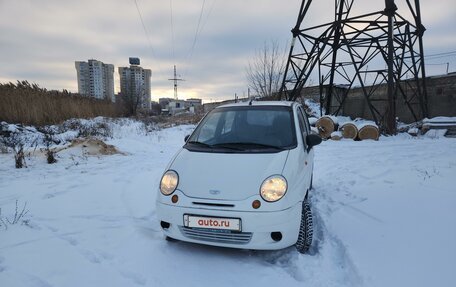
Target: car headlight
[169, 181]
[273, 188]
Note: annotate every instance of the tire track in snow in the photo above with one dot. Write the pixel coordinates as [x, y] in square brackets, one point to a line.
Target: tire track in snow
[328, 244]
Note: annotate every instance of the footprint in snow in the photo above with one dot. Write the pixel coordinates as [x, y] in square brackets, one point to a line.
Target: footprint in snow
[2, 268]
[90, 256]
[37, 281]
[138, 279]
[69, 239]
[106, 256]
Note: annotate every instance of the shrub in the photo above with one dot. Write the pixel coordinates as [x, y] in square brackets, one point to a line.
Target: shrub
[18, 217]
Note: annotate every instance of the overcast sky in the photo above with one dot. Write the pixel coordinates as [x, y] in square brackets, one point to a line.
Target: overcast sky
[41, 39]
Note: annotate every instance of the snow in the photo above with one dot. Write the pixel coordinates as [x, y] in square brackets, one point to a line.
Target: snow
[334, 119]
[436, 133]
[362, 124]
[440, 120]
[413, 131]
[313, 108]
[313, 121]
[383, 211]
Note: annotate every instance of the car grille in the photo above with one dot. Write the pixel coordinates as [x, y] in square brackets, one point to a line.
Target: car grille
[213, 204]
[219, 236]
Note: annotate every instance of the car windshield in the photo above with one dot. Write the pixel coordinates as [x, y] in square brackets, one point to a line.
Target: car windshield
[245, 129]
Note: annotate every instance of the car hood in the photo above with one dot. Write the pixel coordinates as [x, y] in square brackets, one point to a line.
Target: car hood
[225, 176]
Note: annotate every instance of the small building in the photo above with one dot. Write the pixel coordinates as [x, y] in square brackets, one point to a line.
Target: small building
[177, 106]
[171, 106]
[164, 102]
[194, 102]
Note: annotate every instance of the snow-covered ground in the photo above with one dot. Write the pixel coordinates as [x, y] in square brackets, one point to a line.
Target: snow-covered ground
[385, 215]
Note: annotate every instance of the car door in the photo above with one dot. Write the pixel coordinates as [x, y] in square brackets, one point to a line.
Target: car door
[307, 155]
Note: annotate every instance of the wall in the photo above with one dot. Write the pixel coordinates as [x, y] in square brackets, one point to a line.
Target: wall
[441, 93]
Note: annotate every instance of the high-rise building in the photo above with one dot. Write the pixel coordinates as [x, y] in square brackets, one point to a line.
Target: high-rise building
[135, 84]
[95, 79]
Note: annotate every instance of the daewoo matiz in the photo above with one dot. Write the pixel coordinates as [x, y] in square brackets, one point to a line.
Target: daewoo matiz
[242, 179]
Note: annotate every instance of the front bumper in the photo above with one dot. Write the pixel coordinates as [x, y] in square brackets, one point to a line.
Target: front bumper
[257, 226]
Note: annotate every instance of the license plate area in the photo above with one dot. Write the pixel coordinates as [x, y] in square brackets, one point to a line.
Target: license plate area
[214, 223]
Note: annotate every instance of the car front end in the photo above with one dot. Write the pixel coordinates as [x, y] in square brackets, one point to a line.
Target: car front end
[238, 181]
[251, 223]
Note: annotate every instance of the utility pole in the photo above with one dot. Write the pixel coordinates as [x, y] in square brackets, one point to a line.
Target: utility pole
[175, 79]
[390, 120]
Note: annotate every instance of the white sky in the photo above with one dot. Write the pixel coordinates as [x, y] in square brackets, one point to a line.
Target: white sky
[41, 39]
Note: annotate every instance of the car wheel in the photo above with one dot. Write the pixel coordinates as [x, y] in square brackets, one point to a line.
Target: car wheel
[306, 228]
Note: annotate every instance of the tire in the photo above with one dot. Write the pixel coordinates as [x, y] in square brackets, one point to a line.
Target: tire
[306, 229]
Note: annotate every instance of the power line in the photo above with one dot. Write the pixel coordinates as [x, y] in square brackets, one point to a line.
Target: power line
[172, 29]
[197, 29]
[208, 14]
[440, 55]
[146, 32]
[144, 27]
[434, 64]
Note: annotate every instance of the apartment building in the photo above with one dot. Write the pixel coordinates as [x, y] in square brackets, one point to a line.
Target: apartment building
[135, 84]
[95, 79]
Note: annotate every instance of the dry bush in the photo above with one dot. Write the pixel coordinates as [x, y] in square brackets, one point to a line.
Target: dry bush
[31, 105]
[18, 217]
[88, 129]
[15, 143]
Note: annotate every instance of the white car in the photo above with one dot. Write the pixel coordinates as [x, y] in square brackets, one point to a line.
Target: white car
[242, 179]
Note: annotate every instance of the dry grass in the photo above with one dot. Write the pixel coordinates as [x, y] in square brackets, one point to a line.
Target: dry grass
[29, 104]
[181, 119]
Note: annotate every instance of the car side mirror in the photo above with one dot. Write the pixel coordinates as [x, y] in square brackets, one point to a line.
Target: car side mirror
[312, 140]
[186, 138]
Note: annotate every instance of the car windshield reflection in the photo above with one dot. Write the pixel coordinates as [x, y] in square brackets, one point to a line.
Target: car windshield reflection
[245, 129]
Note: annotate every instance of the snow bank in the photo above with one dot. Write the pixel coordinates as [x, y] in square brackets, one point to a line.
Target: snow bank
[313, 108]
[440, 120]
[435, 134]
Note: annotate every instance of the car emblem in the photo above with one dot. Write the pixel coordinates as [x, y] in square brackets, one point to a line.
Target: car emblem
[214, 192]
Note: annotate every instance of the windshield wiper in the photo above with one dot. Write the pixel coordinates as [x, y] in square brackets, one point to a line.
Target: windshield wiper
[228, 146]
[222, 145]
[200, 144]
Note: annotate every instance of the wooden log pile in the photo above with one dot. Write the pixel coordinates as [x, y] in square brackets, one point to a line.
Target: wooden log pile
[440, 123]
[328, 128]
[349, 130]
[368, 131]
[326, 125]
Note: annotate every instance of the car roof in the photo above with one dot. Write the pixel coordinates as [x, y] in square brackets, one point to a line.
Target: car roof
[259, 103]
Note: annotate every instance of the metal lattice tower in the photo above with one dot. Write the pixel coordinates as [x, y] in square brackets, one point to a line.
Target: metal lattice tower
[365, 51]
[175, 80]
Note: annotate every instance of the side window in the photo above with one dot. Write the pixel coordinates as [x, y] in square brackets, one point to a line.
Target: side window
[302, 126]
[307, 123]
[306, 120]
